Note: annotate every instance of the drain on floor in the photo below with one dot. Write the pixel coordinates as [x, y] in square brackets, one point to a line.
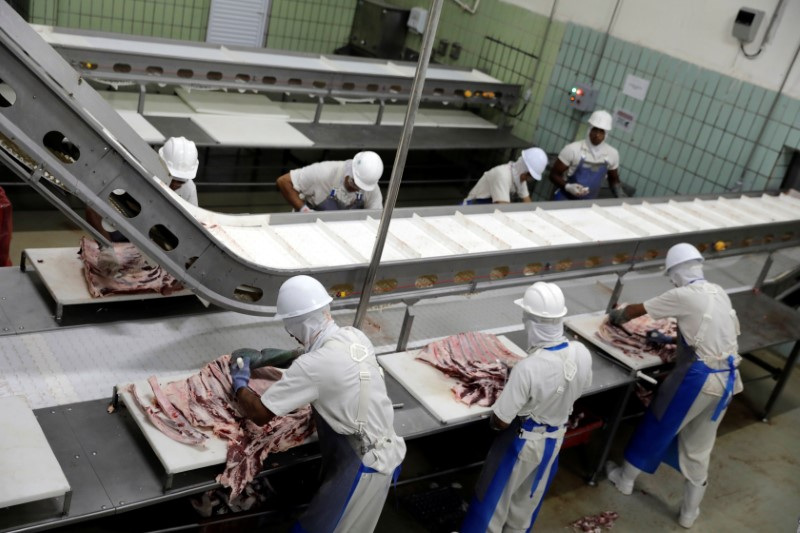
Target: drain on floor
[440, 510]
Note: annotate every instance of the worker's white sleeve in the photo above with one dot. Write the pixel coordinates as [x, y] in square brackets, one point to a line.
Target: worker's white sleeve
[570, 155]
[304, 179]
[295, 389]
[373, 199]
[665, 305]
[613, 158]
[514, 396]
[188, 191]
[499, 183]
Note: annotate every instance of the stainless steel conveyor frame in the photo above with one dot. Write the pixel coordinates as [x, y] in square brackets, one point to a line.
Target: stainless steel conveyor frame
[61, 137]
[124, 59]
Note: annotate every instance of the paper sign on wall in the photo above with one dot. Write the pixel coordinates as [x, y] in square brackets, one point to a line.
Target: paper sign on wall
[635, 87]
[624, 120]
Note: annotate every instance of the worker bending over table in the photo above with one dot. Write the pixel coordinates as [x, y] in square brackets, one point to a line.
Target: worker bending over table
[509, 182]
[531, 414]
[339, 376]
[680, 425]
[335, 185]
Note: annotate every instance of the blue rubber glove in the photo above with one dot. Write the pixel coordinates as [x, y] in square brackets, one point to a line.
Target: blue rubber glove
[240, 376]
[617, 316]
[656, 337]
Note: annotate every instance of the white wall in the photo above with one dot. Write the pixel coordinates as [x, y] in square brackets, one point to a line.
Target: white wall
[698, 31]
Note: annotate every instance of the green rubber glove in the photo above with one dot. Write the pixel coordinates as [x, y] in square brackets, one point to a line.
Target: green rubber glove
[267, 357]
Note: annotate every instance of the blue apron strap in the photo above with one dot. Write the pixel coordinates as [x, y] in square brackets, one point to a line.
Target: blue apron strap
[480, 511]
[728, 394]
[550, 477]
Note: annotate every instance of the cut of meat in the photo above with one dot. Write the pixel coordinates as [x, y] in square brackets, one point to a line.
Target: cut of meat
[631, 338]
[136, 274]
[204, 402]
[479, 362]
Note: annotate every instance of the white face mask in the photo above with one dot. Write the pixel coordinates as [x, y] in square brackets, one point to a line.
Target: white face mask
[686, 273]
[542, 333]
[307, 328]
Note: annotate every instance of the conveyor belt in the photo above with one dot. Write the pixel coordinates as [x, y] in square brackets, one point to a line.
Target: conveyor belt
[238, 262]
[124, 58]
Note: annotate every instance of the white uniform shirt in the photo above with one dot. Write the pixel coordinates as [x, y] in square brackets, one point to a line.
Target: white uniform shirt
[688, 305]
[314, 184]
[497, 183]
[532, 388]
[572, 153]
[328, 379]
[188, 191]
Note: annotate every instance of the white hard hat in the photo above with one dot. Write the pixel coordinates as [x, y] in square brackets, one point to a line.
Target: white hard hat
[180, 156]
[681, 253]
[601, 119]
[367, 170]
[535, 159]
[300, 295]
[543, 300]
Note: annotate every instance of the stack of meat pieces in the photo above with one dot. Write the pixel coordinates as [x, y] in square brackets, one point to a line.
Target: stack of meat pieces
[186, 410]
[631, 337]
[136, 274]
[478, 361]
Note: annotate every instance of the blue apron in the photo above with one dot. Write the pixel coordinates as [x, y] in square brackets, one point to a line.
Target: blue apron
[331, 203]
[342, 470]
[656, 438]
[477, 201]
[497, 470]
[584, 175]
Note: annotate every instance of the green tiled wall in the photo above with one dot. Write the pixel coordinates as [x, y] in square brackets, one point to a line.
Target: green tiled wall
[695, 131]
[313, 26]
[170, 19]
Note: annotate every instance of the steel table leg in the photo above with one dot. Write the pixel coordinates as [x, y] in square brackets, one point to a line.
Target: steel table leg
[612, 432]
[784, 377]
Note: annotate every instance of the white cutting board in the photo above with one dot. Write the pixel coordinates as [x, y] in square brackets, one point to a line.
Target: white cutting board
[175, 456]
[61, 270]
[432, 388]
[586, 326]
[28, 468]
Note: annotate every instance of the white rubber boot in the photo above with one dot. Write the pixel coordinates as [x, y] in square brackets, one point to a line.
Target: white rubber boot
[690, 507]
[622, 476]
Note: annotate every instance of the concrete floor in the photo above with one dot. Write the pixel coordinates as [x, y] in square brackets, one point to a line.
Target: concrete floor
[754, 481]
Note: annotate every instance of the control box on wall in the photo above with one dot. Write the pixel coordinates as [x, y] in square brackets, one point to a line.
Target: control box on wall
[582, 97]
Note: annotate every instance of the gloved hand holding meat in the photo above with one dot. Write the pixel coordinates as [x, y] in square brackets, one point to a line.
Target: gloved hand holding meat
[190, 410]
[634, 337]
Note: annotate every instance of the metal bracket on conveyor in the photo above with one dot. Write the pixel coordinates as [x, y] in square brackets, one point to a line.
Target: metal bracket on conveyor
[764, 271]
[405, 329]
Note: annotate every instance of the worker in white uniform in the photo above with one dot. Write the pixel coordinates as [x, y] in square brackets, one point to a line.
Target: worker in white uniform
[339, 376]
[335, 185]
[179, 156]
[509, 181]
[681, 423]
[581, 166]
[531, 414]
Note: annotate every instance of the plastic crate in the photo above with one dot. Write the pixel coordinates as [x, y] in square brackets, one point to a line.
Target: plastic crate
[581, 434]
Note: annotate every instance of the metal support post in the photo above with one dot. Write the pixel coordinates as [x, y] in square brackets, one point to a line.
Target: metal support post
[405, 329]
[400, 159]
[140, 104]
[784, 377]
[612, 432]
[764, 271]
[612, 302]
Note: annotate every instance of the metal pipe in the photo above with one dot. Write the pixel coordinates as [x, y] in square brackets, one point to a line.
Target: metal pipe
[400, 159]
[740, 185]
